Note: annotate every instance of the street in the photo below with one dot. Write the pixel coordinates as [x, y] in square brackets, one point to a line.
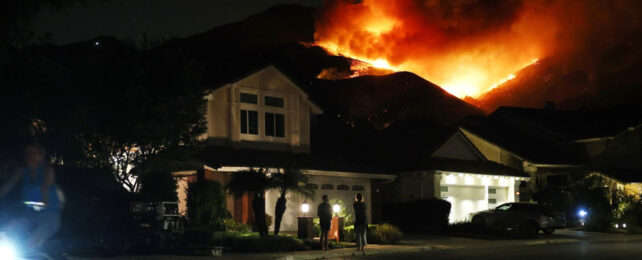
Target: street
[564, 244]
[580, 250]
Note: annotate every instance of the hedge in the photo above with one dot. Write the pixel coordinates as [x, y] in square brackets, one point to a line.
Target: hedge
[430, 215]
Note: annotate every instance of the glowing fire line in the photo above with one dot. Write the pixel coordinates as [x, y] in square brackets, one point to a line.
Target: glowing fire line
[461, 86]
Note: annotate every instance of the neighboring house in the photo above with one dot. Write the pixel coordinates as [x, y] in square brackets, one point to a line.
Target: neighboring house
[263, 120]
[457, 172]
[556, 146]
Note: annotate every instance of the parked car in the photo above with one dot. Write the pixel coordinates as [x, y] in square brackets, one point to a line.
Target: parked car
[521, 217]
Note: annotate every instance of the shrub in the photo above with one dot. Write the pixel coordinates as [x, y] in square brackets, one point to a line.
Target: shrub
[268, 219]
[206, 205]
[377, 234]
[467, 227]
[429, 215]
[631, 214]
[387, 234]
[316, 226]
[255, 244]
[316, 244]
[158, 186]
[231, 225]
[241, 242]
[344, 212]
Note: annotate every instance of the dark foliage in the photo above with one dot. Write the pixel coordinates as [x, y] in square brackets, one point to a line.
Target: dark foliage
[253, 182]
[293, 181]
[239, 242]
[206, 205]
[430, 215]
[158, 186]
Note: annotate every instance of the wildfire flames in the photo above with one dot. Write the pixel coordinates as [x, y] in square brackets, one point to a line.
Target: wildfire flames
[465, 46]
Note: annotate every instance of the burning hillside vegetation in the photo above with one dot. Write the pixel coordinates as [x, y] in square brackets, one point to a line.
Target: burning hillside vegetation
[469, 47]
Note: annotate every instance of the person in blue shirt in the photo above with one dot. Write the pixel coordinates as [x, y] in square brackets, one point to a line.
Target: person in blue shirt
[360, 221]
[41, 199]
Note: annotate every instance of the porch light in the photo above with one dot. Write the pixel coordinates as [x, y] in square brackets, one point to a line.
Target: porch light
[623, 225]
[305, 207]
[617, 226]
[336, 208]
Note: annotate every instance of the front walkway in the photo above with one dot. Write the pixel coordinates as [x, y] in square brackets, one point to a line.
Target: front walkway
[415, 244]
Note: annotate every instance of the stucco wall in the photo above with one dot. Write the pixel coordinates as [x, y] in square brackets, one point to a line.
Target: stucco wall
[415, 185]
[457, 147]
[492, 152]
[223, 113]
[469, 193]
[293, 210]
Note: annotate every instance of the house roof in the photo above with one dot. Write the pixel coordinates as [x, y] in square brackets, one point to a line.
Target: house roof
[475, 167]
[519, 143]
[222, 81]
[624, 175]
[574, 124]
[218, 156]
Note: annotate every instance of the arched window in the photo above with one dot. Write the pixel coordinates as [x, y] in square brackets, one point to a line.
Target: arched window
[343, 187]
[327, 187]
[312, 186]
[357, 188]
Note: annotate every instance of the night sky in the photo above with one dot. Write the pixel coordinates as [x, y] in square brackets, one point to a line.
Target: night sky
[157, 18]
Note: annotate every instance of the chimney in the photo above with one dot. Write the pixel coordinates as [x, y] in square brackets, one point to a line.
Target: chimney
[550, 105]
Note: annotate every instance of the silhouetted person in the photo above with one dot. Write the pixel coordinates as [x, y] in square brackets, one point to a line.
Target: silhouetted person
[324, 212]
[39, 194]
[360, 221]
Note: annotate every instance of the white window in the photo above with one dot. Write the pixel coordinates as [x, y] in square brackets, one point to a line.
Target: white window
[274, 101]
[274, 124]
[249, 122]
[249, 98]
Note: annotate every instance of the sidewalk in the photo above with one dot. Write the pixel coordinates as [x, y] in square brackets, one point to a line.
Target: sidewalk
[414, 244]
[300, 255]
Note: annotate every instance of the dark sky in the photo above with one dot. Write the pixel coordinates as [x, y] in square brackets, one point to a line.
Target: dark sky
[157, 18]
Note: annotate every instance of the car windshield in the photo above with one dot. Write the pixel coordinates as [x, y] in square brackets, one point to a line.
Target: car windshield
[504, 207]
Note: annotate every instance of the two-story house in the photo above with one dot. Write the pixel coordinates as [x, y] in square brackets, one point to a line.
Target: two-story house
[263, 119]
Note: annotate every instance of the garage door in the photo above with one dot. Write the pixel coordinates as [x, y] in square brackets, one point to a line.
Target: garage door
[464, 200]
[497, 196]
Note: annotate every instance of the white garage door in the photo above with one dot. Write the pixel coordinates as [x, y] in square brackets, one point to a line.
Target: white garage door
[464, 200]
[497, 196]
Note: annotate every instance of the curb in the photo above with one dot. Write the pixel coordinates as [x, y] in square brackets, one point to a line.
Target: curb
[355, 253]
[554, 241]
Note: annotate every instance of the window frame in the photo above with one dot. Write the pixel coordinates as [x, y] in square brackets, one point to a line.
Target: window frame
[275, 124]
[263, 109]
[246, 125]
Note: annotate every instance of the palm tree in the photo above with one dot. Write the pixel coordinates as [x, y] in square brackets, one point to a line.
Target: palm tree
[254, 182]
[291, 180]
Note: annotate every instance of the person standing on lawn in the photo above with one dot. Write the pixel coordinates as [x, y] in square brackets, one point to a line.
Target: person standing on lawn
[360, 221]
[324, 212]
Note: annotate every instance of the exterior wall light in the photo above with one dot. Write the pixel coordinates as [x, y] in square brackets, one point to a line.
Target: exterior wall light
[336, 208]
[305, 207]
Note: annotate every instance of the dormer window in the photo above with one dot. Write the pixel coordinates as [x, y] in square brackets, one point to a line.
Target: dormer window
[249, 98]
[249, 122]
[274, 124]
[273, 101]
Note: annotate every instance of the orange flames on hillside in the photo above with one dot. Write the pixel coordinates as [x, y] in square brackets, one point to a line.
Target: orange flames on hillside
[465, 46]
